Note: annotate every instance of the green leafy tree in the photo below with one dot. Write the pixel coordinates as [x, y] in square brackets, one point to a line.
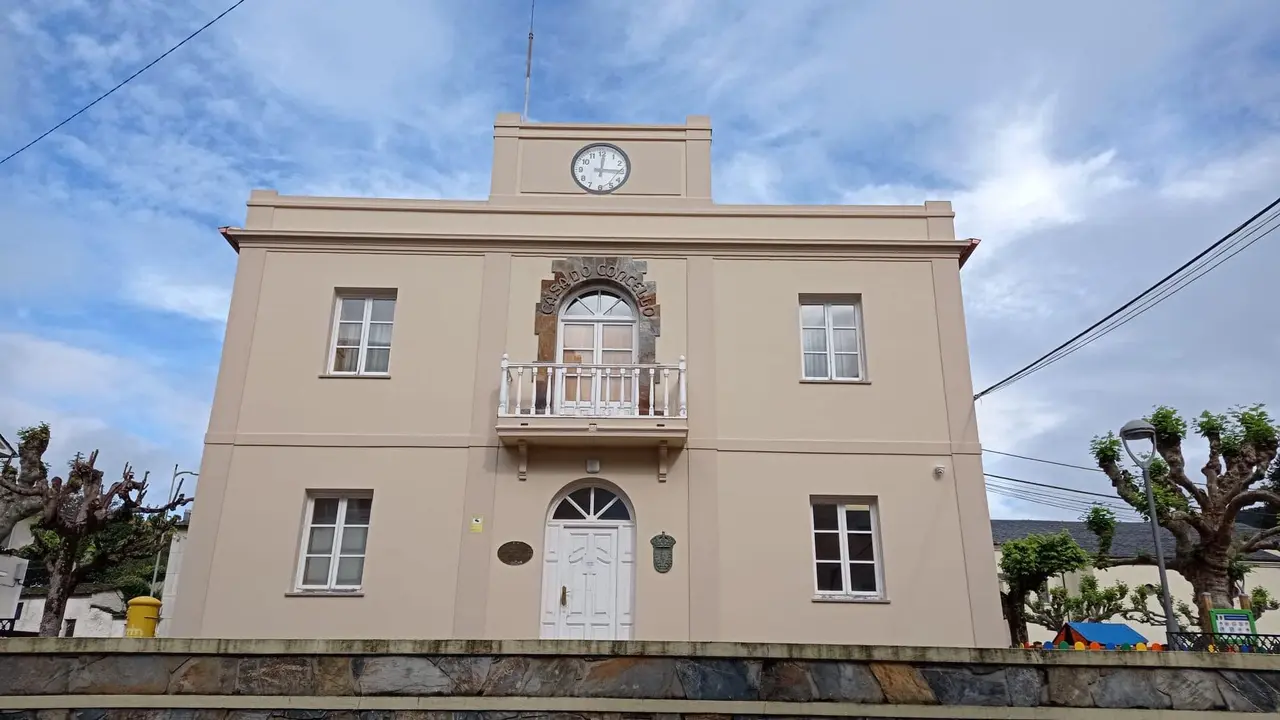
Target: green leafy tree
[85, 526]
[1050, 608]
[1207, 548]
[1026, 565]
[120, 557]
[30, 471]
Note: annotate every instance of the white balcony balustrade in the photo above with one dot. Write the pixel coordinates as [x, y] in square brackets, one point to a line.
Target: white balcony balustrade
[569, 390]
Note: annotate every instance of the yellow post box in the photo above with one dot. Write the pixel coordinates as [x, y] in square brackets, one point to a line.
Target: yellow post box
[142, 617]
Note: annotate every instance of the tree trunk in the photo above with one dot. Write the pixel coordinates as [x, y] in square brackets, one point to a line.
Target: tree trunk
[1217, 586]
[62, 581]
[1016, 617]
[1212, 579]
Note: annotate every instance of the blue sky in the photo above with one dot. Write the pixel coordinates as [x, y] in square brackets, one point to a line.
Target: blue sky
[1092, 146]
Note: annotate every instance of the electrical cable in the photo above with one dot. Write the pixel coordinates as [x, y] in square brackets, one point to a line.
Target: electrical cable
[1161, 297]
[122, 83]
[1040, 362]
[1149, 302]
[1075, 504]
[1051, 487]
[1060, 502]
[1041, 460]
[1079, 343]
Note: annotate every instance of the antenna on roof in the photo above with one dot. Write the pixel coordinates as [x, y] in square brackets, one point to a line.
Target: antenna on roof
[528, 64]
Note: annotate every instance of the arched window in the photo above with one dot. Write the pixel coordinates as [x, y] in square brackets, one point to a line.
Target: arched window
[597, 327]
[592, 503]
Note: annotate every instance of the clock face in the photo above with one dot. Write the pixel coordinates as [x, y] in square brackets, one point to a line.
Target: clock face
[600, 168]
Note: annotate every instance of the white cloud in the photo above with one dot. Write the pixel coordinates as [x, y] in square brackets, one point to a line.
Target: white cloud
[1010, 181]
[51, 372]
[132, 410]
[1222, 176]
[201, 302]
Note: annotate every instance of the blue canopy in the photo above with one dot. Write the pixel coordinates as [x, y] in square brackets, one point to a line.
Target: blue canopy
[1104, 633]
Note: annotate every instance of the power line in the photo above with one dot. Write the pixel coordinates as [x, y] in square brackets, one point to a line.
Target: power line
[122, 83]
[1052, 487]
[1053, 495]
[1041, 460]
[1057, 500]
[1040, 363]
[1059, 496]
[1168, 291]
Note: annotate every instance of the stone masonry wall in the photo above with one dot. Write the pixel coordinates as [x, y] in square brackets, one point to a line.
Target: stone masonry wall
[386, 680]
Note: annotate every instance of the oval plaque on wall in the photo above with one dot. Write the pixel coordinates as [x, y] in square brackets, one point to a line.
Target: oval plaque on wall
[515, 553]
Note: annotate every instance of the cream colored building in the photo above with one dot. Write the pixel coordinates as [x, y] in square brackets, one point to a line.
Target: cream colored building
[616, 412]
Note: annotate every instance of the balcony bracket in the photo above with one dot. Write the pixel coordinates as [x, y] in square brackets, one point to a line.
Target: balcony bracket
[522, 472]
[662, 461]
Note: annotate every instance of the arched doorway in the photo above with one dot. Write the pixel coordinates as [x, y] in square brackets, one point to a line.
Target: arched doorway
[598, 330]
[588, 570]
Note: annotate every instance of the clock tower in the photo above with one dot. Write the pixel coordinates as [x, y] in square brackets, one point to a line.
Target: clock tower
[623, 165]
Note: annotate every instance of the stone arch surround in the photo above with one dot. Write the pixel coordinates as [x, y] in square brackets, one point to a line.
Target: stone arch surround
[620, 273]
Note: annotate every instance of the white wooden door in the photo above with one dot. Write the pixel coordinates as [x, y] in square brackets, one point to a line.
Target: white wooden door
[588, 568]
[589, 580]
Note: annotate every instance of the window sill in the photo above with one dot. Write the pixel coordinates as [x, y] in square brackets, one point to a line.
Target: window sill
[341, 376]
[325, 593]
[811, 381]
[851, 599]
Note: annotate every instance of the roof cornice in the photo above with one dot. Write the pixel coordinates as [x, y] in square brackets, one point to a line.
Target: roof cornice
[595, 207]
[439, 243]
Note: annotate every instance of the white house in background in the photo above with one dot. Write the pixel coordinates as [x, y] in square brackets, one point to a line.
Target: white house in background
[1132, 540]
[94, 610]
[173, 568]
[20, 536]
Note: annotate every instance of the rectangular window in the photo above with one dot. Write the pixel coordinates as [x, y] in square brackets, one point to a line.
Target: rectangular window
[69, 629]
[831, 344]
[845, 549]
[362, 335]
[333, 544]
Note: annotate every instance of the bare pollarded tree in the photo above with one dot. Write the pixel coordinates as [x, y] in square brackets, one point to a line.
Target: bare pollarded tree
[1209, 546]
[81, 521]
[29, 472]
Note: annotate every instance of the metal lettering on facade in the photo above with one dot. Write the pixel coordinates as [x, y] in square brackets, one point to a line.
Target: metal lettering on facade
[568, 280]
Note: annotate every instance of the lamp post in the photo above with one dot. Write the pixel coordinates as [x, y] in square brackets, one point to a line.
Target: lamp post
[1141, 435]
[175, 487]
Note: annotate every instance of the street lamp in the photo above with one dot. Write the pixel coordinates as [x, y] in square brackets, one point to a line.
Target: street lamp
[1140, 435]
[175, 487]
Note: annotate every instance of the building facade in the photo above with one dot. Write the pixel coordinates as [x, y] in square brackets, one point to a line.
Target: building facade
[595, 405]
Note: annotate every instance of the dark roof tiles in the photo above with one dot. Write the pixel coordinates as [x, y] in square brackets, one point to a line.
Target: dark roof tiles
[1132, 538]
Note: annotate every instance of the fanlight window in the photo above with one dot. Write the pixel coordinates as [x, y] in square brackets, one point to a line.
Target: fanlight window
[591, 503]
[599, 303]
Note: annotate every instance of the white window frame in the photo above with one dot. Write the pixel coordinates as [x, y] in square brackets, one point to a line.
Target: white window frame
[366, 321]
[841, 505]
[335, 552]
[598, 349]
[829, 327]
